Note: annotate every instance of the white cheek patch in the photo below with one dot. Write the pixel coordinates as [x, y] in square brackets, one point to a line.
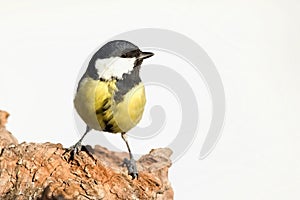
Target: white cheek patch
[114, 67]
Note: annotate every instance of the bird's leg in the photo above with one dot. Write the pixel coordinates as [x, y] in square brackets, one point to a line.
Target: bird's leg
[130, 164]
[77, 147]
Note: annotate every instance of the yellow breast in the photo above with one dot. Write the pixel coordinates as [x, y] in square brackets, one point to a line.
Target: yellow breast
[95, 104]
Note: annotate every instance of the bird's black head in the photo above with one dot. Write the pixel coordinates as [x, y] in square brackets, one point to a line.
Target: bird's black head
[116, 58]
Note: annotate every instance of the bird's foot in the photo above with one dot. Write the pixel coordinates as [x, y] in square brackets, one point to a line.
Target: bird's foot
[131, 167]
[74, 150]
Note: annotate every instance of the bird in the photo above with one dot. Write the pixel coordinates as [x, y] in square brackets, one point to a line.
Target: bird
[110, 95]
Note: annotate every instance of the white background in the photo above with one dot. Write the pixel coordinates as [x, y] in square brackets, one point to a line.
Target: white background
[254, 44]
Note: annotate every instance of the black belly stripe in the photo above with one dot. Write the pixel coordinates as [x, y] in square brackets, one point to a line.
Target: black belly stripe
[103, 112]
[108, 128]
[105, 106]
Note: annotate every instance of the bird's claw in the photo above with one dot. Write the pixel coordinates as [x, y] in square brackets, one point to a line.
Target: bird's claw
[131, 167]
[75, 149]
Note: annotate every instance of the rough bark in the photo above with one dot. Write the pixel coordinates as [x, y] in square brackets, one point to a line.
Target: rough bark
[5, 134]
[42, 171]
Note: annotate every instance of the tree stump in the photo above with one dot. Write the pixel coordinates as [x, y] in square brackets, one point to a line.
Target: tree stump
[43, 172]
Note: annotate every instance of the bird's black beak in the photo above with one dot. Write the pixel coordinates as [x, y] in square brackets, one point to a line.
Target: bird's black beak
[144, 55]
